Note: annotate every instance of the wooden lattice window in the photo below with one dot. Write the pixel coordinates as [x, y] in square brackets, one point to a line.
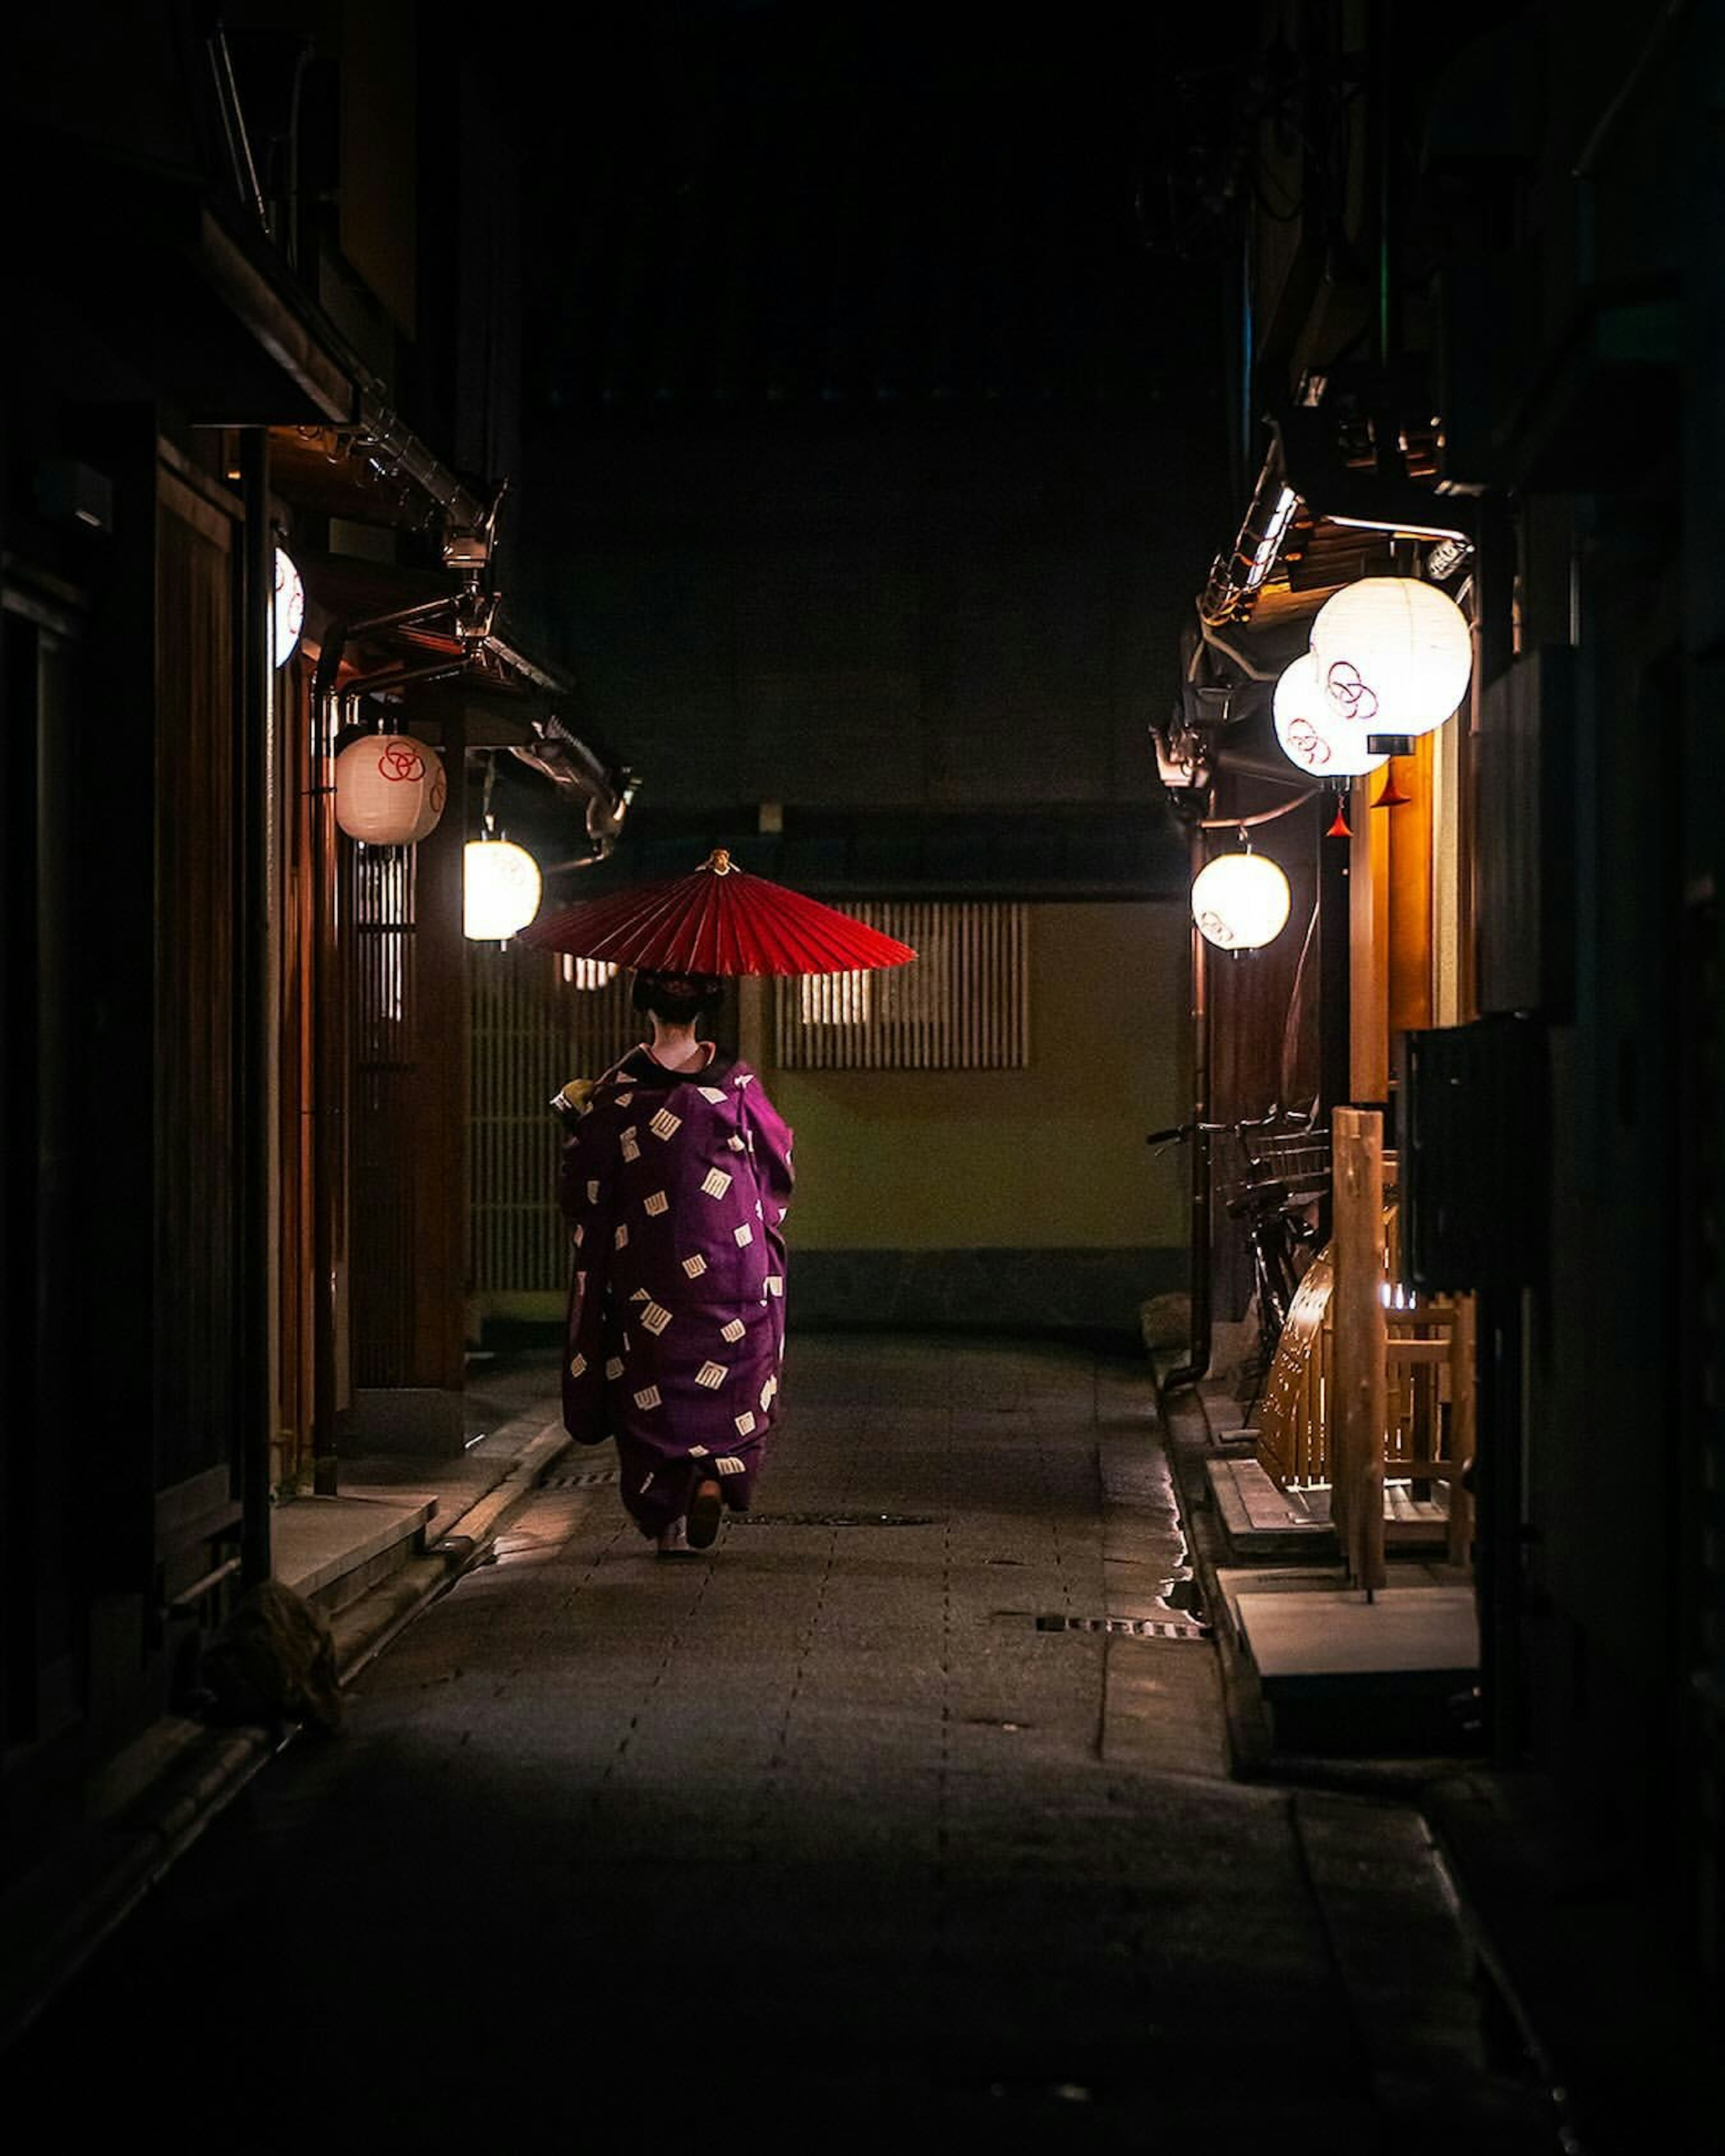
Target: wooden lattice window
[538, 1021]
[964, 1005]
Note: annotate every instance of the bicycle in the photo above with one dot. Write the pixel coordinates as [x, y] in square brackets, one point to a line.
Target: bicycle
[1275, 1215]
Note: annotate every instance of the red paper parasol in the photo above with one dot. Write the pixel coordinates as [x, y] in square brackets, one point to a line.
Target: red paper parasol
[721, 920]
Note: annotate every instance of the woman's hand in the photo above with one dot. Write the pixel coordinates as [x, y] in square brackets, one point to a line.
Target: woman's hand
[568, 1104]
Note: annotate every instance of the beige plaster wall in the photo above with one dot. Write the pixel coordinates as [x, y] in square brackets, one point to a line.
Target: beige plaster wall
[1051, 1157]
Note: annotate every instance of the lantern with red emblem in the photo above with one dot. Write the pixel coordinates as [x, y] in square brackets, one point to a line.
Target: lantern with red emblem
[390, 789]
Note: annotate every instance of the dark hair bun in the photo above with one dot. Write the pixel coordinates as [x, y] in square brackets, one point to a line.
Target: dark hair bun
[676, 998]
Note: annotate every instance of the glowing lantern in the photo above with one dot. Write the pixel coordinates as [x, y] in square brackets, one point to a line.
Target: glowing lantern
[1394, 655]
[501, 890]
[287, 613]
[390, 790]
[1239, 901]
[1310, 734]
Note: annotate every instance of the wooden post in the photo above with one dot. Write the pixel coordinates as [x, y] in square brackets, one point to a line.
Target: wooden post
[1461, 1429]
[1357, 1465]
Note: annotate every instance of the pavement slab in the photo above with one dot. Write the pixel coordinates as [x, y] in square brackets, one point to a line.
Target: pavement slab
[811, 1838]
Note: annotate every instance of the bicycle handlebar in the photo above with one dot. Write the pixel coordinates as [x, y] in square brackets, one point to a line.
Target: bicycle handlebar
[1179, 1132]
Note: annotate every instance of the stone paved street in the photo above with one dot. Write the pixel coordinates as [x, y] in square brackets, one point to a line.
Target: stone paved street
[819, 1836]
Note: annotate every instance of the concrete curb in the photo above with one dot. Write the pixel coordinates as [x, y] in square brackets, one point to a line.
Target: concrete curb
[1186, 1428]
[55, 1918]
[363, 1630]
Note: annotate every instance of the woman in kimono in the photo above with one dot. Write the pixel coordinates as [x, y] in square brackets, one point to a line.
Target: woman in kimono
[674, 1181]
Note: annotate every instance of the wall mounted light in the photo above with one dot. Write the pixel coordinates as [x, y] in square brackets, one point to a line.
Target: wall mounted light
[1311, 734]
[501, 890]
[1394, 655]
[390, 790]
[287, 616]
[1241, 901]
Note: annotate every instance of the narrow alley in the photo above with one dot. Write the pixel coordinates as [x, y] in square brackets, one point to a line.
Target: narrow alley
[864, 1821]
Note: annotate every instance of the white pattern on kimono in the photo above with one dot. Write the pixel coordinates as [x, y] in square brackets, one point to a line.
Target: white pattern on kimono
[655, 1317]
[734, 1330]
[619, 1242]
[742, 1236]
[694, 1266]
[712, 1375]
[578, 1364]
[648, 1397]
[697, 1452]
[665, 1124]
[745, 1423]
[657, 1203]
[716, 1183]
[627, 1145]
[729, 1464]
[614, 1368]
[592, 1193]
[775, 1283]
[710, 1093]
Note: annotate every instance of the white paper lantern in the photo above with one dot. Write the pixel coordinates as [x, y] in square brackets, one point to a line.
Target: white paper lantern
[1394, 655]
[1310, 734]
[1239, 901]
[287, 612]
[390, 790]
[501, 890]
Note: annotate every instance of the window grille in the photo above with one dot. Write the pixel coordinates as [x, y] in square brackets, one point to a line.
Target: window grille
[533, 1028]
[963, 1005]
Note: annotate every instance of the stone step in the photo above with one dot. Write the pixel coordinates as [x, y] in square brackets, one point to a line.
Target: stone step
[332, 1550]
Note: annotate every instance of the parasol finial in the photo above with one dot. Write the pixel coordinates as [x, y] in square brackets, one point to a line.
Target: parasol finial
[718, 860]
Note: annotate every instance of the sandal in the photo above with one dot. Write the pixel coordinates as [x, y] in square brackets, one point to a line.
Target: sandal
[704, 1508]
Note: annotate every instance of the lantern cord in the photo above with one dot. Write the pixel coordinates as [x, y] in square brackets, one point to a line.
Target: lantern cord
[1263, 816]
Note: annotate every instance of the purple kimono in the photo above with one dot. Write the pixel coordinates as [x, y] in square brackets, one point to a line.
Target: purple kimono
[675, 1185]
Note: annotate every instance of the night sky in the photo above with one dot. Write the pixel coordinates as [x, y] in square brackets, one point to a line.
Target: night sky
[850, 206]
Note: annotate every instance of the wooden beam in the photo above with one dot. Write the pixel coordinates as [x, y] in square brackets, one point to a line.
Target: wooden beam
[1358, 1469]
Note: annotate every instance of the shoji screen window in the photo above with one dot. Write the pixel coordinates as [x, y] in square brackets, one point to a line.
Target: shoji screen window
[964, 1005]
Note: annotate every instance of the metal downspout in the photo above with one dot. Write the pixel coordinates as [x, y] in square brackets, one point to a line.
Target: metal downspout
[1197, 1359]
[256, 823]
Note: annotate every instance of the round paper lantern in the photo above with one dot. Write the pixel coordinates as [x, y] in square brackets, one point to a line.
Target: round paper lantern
[1394, 655]
[1310, 734]
[287, 613]
[500, 886]
[1239, 901]
[390, 789]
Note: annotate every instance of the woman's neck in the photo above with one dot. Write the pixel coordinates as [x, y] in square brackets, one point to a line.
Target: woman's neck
[676, 1047]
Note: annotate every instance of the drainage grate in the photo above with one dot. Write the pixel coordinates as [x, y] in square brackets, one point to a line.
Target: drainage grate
[1137, 1628]
[835, 1520]
[593, 1478]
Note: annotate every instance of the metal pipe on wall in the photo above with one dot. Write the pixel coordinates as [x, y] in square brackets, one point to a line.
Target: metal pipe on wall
[256, 1015]
[1198, 1360]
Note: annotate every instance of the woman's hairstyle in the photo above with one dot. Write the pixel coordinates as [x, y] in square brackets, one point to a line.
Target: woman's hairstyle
[679, 998]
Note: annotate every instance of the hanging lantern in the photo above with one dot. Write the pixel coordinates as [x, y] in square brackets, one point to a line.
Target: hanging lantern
[501, 890]
[390, 790]
[287, 613]
[1239, 901]
[1394, 655]
[1311, 734]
